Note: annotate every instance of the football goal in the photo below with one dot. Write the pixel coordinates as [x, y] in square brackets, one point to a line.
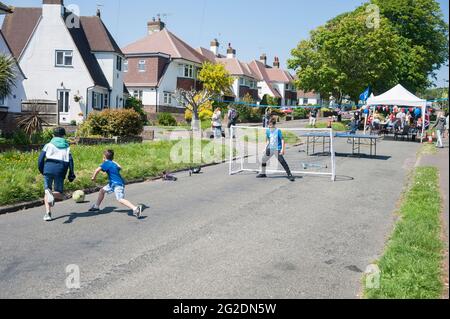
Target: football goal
[307, 152]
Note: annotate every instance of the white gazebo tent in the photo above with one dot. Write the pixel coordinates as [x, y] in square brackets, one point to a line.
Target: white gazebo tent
[401, 97]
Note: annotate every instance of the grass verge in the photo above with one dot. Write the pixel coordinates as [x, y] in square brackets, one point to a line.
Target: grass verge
[411, 265]
[337, 126]
[20, 180]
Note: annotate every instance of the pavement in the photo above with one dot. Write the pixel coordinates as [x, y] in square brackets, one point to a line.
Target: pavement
[214, 236]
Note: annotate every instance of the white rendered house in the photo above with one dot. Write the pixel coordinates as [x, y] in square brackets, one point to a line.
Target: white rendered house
[69, 59]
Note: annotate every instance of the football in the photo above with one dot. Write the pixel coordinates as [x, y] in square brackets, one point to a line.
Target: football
[78, 196]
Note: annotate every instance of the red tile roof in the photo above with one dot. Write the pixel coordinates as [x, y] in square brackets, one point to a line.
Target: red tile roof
[166, 42]
[18, 27]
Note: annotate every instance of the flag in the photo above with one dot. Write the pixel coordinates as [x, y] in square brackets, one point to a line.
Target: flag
[364, 96]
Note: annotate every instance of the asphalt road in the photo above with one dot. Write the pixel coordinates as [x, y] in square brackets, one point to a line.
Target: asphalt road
[214, 236]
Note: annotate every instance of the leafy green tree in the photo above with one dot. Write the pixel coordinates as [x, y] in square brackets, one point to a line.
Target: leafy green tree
[7, 75]
[346, 55]
[422, 22]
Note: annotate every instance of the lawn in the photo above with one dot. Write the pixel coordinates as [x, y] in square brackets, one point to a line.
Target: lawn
[20, 180]
[411, 265]
[337, 126]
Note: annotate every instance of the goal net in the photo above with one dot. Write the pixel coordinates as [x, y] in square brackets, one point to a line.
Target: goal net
[308, 151]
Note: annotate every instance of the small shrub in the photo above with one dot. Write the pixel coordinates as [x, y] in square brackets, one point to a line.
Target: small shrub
[300, 113]
[109, 123]
[73, 123]
[166, 119]
[20, 138]
[205, 115]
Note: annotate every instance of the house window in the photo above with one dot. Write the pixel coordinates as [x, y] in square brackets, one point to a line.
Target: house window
[125, 66]
[106, 100]
[167, 98]
[188, 71]
[141, 66]
[97, 101]
[305, 101]
[2, 101]
[63, 101]
[64, 58]
[138, 94]
[119, 63]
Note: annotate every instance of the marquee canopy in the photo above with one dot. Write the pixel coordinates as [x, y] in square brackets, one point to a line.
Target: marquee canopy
[397, 96]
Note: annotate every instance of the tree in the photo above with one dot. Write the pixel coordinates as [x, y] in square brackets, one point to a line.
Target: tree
[133, 103]
[345, 55]
[422, 22]
[7, 75]
[215, 80]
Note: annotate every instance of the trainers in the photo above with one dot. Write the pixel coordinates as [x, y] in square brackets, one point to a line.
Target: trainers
[261, 176]
[50, 198]
[94, 209]
[48, 217]
[138, 211]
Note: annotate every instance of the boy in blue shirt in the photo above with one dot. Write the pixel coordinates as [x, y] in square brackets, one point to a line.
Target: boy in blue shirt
[116, 184]
[54, 162]
[276, 146]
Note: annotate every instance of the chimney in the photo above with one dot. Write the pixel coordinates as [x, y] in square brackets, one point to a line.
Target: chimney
[52, 8]
[155, 25]
[276, 63]
[215, 47]
[99, 13]
[263, 59]
[231, 53]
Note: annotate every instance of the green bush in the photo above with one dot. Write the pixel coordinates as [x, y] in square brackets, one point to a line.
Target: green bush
[166, 119]
[300, 113]
[133, 103]
[249, 114]
[20, 138]
[109, 123]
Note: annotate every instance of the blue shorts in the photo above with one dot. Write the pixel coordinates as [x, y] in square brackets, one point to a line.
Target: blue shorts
[54, 183]
[118, 190]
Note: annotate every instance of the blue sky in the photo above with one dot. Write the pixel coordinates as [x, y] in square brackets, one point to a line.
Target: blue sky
[252, 26]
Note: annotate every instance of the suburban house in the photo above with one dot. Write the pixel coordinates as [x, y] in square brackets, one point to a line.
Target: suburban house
[68, 59]
[159, 64]
[308, 98]
[246, 80]
[275, 82]
[10, 105]
[255, 78]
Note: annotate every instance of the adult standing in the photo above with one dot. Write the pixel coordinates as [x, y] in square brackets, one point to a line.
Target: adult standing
[217, 123]
[440, 128]
[267, 116]
[232, 118]
[313, 117]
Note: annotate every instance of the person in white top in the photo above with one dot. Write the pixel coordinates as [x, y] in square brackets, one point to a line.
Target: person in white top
[217, 123]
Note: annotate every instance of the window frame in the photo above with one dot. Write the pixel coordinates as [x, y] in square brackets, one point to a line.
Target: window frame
[125, 66]
[65, 54]
[119, 63]
[3, 101]
[144, 64]
[167, 98]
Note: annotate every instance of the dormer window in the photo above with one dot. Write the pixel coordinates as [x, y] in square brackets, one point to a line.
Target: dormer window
[188, 71]
[64, 58]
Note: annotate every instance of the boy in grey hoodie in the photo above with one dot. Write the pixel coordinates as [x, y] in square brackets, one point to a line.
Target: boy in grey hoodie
[54, 162]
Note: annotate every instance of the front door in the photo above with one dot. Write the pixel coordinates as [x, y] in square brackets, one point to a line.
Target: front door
[64, 106]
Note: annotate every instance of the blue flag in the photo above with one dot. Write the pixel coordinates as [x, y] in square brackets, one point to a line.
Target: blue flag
[364, 96]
